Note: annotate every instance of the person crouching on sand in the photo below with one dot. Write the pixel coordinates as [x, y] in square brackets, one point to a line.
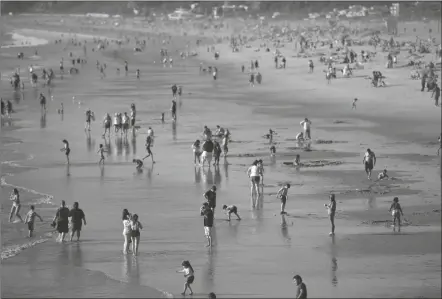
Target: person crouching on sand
[189, 274]
[396, 212]
[383, 175]
[331, 208]
[30, 218]
[139, 163]
[231, 209]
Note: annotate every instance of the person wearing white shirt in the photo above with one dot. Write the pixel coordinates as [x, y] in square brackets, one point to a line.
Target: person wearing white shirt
[253, 173]
[306, 123]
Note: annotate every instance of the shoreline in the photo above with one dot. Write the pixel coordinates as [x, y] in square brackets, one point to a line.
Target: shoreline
[343, 234]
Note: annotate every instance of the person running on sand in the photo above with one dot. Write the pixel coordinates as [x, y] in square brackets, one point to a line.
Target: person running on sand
[42, 102]
[135, 233]
[206, 156]
[15, 209]
[107, 124]
[253, 174]
[76, 215]
[353, 106]
[127, 230]
[282, 195]
[148, 144]
[189, 274]
[30, 218]
[174, 90]
[383, 175]
[369, 161]
[216, 152]
[396, 212]
[101, 151]
[173, 110]
[331, 208]
[66, 150]
[301, 292]
[139, 163]
[196, 147]
[231, 209]
[306, 123]
[61, 221]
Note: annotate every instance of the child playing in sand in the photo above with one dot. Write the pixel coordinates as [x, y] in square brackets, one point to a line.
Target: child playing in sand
[30, 217]
[189, 274]
[139, 163]
[300, 137]
[383, 175]
[101, 151]
[353, 107]
[331, 208]
[66, 150]
[231, 209]
[396, 212]
[282, 195]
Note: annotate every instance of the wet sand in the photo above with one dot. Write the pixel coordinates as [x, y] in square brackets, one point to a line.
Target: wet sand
[361, 260]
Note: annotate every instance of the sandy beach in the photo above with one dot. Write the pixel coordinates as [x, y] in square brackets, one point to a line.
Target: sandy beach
[252, 258]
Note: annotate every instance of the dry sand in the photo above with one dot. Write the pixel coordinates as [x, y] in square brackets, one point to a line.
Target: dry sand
[398, 122]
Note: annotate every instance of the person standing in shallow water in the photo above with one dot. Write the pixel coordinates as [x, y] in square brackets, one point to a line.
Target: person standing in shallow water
[331, 208]
[15, 210]
[369, 161]
[61, 221]
[66, 150]
[77, 216]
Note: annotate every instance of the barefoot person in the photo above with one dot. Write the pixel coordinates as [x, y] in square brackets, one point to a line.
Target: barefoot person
[148, 144]
[331, 208]
[210, 196]
[107, 124]
[77, 216]
[189, 274]
[66, 150]
[196, 147]
[173, 110]
[61, 221]
[369, 161]
[253, 174]
[231, 209]
[101, 151]
[30, 218]
[306, 123]
[208, 223]
[282, 195]
[206, 156]
[15, 209]
[135, 226]
[383, 175]
[301, 292]
[139, 163]
[396, 212]
[127, 230]
[89, 116]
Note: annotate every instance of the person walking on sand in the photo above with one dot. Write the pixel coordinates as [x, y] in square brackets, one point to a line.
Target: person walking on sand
[77, 216]
[107, 124]
[208, 223]
[207, 152]
[196, 147]
[396, 212]
[101, 151]
[282, 195]
[42, 102]
[225, 143]
[149, 141]
[61, 221]
[30, 218]
[127, 230]
[15, 209]
[216, 152]
[173, 110]
[231, 209]
[210, 196]
[301, 292]
[66, 150]
[369, 161]
[89, 116]
[135, 233]
[253, 174]
[436, 95]
[306, 123]
[133, 114]
[353, 106]
[331, 208]
[174, 90]
[189, 274]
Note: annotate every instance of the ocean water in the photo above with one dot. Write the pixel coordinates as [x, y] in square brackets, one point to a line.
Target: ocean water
[254, 257]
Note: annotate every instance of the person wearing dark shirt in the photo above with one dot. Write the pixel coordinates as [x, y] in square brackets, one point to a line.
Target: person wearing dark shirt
[231, 209]
[76, 215]
[208, 224]
[210, 195]
[61, 221]
[301, 292]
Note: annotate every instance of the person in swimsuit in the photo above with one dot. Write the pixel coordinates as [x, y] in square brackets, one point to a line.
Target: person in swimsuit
[383, 175]
[331, 208]
[61, 221]
[189, 274]
[396, 212]
[139, 163]
[66, 150]
[101, 151]
[369, 161]
[173, 110]
[133, 113]
[174, 90]
[253, 174]
[196, 147]
[135, 233]
[282, 195]
[148, 145]
[261, 171]
[15, 209]
[127, 230]
[216, 152]
[207, 152]
[125, 121]
[107, 124]
[225, 143]
[301, 292]
[77, 216]
[42, 102]
[231, 209]
[30, 218]
[88, 120]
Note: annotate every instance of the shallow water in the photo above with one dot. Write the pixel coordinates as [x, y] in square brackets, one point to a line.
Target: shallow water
[254, 257]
